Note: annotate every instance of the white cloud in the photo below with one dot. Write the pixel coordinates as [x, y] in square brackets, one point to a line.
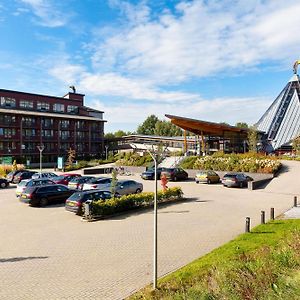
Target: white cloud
[216, 110]
[48, 14]
[201, 39]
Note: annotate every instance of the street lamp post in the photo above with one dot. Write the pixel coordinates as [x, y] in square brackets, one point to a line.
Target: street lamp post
[41, 149]
[106, 148]
[155, 223]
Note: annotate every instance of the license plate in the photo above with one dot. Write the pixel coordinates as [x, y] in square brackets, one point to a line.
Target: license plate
[71, 204]
[24, 196]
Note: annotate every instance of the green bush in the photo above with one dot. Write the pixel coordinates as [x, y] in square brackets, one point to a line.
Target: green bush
[128, 202]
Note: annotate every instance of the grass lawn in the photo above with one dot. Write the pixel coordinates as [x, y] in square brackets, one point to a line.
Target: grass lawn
[263, 264]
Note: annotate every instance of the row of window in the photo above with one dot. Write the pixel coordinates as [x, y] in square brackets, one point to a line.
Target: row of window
[43, 106]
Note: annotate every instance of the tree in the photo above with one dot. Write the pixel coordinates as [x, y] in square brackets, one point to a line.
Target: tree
[114, 181]
[252, 138]
[71, 157]
[148, 126]
[241, 125]
[296, 145]
[120, 133]
[166, 128]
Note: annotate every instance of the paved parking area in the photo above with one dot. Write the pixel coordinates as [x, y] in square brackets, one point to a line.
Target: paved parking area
[48, 253]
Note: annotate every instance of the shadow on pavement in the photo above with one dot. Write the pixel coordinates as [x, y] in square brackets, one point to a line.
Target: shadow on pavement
[16, 259]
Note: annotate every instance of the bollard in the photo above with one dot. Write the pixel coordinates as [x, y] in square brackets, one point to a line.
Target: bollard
[272, 213]
[262, 217]
[295, 201]
[247, 228]
[87, 210]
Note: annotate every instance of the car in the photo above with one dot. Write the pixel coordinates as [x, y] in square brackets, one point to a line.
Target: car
[149, 173]
[43, 175]
[11, 175]
[64, 178]
[23, 175]
[175, 174]
[46, 194]
[75, 201]
[78, 182]
[4, 183]
[21, 186]
[207, 177]
[236, 180]
[97, 183]
[125, 187]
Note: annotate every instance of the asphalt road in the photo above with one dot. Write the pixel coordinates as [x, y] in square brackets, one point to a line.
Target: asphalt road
[48, 253]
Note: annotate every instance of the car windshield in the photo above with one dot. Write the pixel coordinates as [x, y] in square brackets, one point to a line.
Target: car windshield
[75, 196]
[23, 183]
[230, 176]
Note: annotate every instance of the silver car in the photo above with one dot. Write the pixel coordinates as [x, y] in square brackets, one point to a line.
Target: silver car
[23, 184]
[125, 187]
[97, 183]
[43, 175]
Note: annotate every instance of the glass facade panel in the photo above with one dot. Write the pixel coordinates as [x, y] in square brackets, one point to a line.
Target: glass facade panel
[72, 109]
[7, 102]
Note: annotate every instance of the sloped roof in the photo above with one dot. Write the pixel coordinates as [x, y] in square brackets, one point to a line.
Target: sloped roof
[200, 127]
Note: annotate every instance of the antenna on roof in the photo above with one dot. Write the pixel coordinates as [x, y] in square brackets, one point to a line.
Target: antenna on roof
[73, 88]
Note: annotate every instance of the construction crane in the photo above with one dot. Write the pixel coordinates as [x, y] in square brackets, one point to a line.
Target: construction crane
[295, 67]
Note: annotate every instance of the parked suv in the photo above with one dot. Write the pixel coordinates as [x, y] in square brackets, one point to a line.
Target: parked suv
[43, 175]
[236, 180]
[149, 173]
[78, 182]
[175, 174]
[74, 202]
[65, 178]
[97, 183]
[23, 175]
[47, 194]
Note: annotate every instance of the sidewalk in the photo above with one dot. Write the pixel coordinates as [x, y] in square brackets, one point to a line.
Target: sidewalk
[293, 213]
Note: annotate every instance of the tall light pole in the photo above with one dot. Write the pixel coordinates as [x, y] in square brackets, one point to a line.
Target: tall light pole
[41, 149]
[155, 223]
[106, 148]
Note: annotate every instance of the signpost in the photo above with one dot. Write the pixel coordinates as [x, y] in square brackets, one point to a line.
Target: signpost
[7, 160]
[60, 163]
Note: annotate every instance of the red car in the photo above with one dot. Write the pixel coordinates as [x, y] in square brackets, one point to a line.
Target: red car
[64, 178]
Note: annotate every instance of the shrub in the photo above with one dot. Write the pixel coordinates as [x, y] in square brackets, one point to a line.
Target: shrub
[128, 202]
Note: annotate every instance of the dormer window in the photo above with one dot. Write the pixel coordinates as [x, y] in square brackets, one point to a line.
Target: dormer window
[7, 102]
[57, 107]
[43, 106]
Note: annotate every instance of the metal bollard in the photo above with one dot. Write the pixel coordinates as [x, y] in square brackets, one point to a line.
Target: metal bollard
[272, 213]
[262, 217]
[247, 228]
[88, 209]
[295, 201]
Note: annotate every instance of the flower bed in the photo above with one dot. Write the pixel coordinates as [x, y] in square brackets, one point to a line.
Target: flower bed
[113, 206]
[253, 163]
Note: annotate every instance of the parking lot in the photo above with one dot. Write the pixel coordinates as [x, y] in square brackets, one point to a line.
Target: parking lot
[48, 253]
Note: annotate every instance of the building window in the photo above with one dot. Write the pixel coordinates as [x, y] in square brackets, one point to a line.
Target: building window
[80, 134]
[65, 124]
[28, 121]
[47, 133]
[7, 132]
[7, 119]
[7, 102]
[57, 107]
[80, 124]
[28, 132]
[43, 106]
[72, 109]
[64, 135]
[47, 122]
[26, 104]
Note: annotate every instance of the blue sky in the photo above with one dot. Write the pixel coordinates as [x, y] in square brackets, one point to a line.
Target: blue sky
[222, 61]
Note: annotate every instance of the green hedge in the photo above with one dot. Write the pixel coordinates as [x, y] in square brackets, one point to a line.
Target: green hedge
[127, 202]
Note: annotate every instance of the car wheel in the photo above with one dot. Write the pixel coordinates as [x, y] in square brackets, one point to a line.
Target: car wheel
[208, 181]
[3, 185]
[43, 202]
[138, 191]
[197, 182]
